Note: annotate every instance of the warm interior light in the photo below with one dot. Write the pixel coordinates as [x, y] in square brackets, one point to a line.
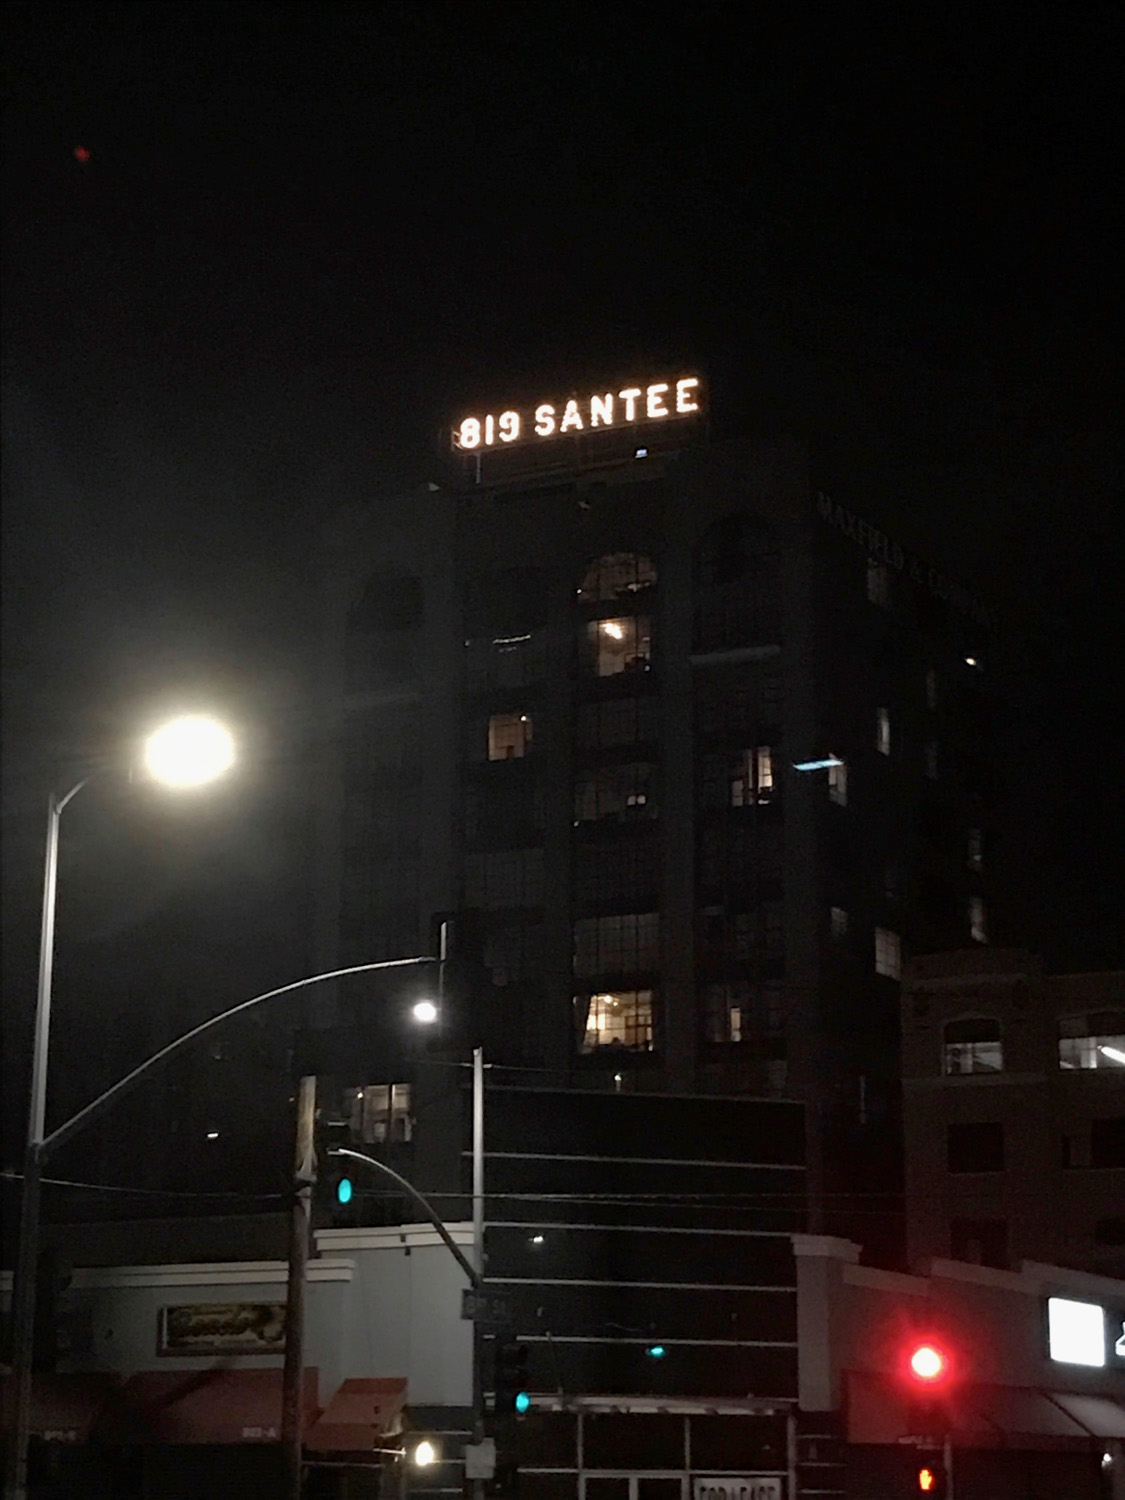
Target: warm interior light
[189, 751]
[612, 628]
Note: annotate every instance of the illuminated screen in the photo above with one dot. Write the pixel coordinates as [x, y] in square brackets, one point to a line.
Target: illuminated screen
[1075, 1332]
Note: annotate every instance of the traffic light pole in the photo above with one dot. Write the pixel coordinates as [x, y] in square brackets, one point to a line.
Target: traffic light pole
[947, 1464]
[300, 1222]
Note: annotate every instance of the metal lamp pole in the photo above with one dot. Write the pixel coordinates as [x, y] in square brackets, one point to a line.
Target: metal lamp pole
[23, 1310]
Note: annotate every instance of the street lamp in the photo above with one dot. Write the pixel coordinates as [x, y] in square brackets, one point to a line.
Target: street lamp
[187, 752]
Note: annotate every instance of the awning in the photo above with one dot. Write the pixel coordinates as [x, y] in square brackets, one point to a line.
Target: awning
[983, 1416]
[360, 1416]
[208, 1406]
[64, 1408]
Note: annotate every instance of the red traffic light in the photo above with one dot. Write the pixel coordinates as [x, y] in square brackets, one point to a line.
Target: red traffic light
[928, 1364]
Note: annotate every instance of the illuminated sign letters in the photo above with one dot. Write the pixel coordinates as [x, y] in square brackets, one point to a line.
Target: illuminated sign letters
[627, 407]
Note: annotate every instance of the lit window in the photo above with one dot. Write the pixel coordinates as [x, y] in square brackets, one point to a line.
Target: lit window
[838, 920]
[1092, 1041]
[973, 1046]
[381, 1112]
[621, 1020]
[931, 760]
[623, 645]
[878, 583]
[838, 784]
[931, 689]
[616, 576]
[888, 953]
[882, 731]
[1076, 1332]
[509, 736]
[974, 854]
[978, 924]
[752, 780]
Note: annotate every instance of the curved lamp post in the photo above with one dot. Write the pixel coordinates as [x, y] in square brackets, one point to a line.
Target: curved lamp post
[187, 752]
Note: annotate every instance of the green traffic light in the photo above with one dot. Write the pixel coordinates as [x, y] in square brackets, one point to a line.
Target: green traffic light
[344, 1190]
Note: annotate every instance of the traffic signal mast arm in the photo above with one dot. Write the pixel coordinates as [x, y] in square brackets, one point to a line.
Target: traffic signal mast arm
[476, 1281]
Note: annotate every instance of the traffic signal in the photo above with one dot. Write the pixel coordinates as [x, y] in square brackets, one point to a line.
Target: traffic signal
[929, 1476]
[509, 1384]
[929, 1380]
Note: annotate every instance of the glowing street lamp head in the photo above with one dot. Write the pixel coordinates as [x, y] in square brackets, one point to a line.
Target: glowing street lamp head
[424, 1454]
[425, 1012]
[189, 752]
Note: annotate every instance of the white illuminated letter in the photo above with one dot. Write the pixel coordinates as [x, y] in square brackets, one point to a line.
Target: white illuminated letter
[544, 421]
[654, 405]
[630, 399]
[684, 401]
[490, 429]
[601, 410]
[571, 417]
[469, 433]
[509, 426]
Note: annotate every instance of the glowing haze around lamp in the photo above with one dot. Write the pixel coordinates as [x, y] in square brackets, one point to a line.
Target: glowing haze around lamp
[188, 752]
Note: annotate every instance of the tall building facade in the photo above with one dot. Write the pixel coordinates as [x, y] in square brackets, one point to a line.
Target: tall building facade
[690, 754]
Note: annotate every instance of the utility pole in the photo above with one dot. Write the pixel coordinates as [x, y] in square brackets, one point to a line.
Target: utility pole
[478, 1250]
[300, 1222]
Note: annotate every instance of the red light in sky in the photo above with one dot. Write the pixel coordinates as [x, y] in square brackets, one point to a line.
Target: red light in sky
[81, 154]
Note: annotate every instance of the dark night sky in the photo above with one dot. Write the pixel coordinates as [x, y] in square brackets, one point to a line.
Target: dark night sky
[306, 233]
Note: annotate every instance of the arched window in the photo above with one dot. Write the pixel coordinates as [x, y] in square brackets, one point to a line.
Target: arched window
[973, 1045]
[617, 575]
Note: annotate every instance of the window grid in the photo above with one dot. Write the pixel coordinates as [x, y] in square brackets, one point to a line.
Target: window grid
[509, 736]
[624, 944]
[621, 1020]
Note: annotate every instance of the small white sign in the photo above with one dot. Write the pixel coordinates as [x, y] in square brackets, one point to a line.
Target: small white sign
[1075, 1332]
[480, 1459]
[746, 1487]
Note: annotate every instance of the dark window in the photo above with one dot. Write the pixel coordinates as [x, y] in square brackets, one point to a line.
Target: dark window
[390, 601]
[504, 878]
[621, 870]
[1107, 1142]
[976, 1147]
[506, 603]
[1110, 1231]
[618, 575]
[624, 944]
[982, 1242]
[617, 721]
[973, 1045]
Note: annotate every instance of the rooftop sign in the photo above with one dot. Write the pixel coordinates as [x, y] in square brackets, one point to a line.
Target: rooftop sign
[632, 406]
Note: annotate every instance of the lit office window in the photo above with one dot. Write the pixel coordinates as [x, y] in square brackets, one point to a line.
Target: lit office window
[622, 645]
[878, 583]
[838, 922]
[381, 1112]
[978, 923]
[882, 731]
[509, 736]
[973, 1045]
[752, 780]
[888, 953]
[1092, 1041]
[838, 784]
[621, 1019]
